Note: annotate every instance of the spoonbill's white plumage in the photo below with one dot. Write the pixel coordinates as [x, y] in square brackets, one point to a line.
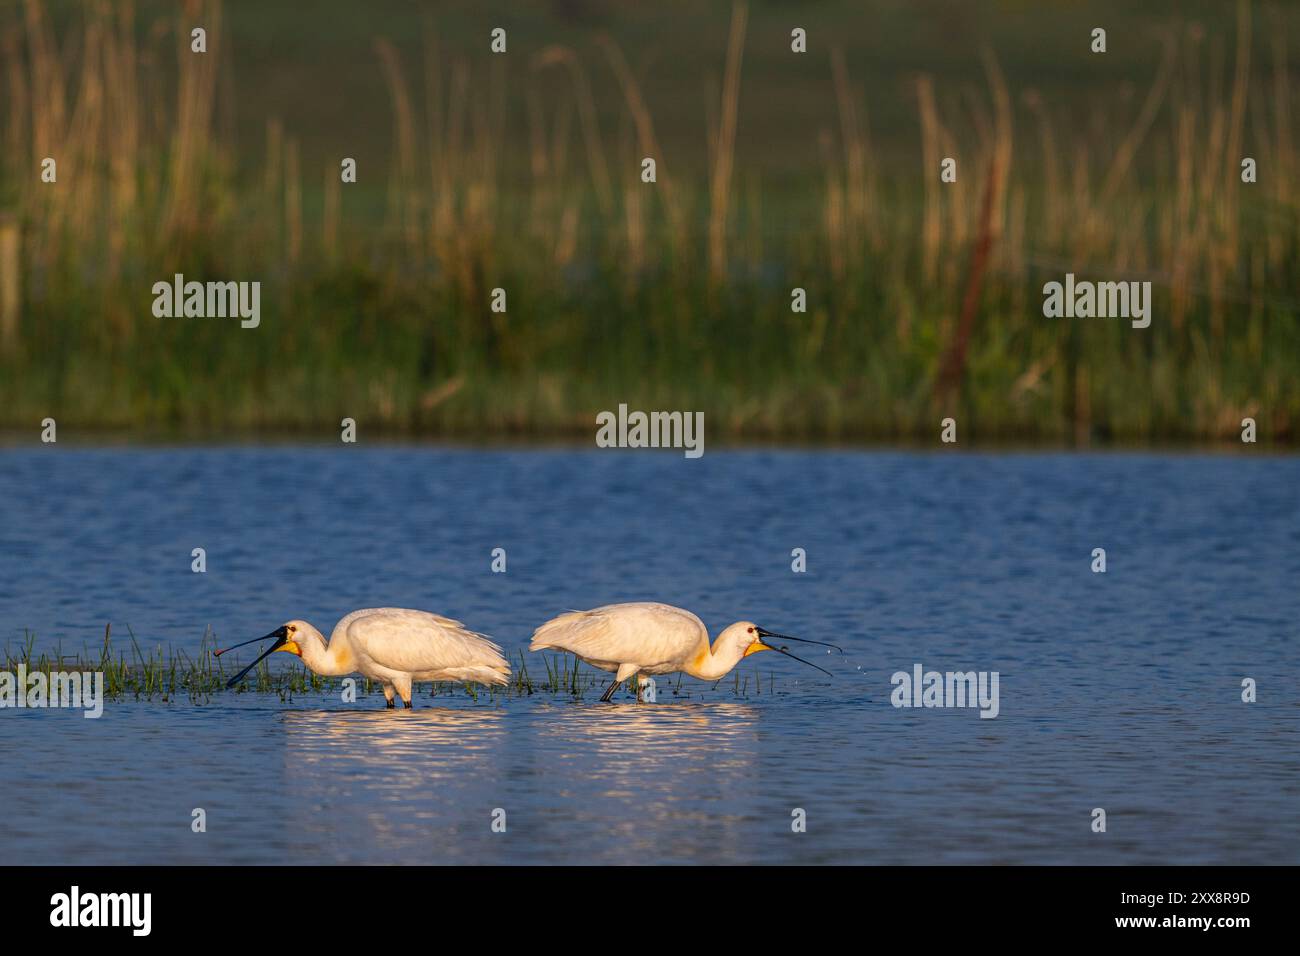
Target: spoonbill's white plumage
[649, 638]
[392, 645]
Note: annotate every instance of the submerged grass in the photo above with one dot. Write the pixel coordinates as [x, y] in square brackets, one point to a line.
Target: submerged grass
[169, 675]
[162, 674]
[924, 299]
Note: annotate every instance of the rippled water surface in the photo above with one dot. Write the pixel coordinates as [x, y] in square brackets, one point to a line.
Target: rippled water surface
[1119, 690]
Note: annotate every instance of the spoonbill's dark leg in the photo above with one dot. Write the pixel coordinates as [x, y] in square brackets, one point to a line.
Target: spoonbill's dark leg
[390, 705]
[606, 697]
[388, 695]
[406, 704]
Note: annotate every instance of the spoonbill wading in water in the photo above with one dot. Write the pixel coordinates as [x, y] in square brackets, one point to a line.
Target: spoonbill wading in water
[391, 645]
[648, 638]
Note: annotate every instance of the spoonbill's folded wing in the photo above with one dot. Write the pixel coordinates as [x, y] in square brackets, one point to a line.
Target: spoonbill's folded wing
[419, 641]
[643, 633]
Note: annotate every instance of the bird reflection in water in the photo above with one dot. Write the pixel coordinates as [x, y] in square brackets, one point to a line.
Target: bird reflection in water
[607, 785]
[643, 780]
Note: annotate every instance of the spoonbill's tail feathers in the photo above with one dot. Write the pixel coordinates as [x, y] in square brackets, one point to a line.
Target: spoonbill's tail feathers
[481, 675]
[425, 644]
[559, 631]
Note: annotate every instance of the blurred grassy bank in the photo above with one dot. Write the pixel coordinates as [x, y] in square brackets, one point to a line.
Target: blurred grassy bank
[775, 171]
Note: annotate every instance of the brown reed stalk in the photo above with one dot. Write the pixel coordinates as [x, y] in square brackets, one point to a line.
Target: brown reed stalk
[649, 144]
[1226, 251]
[1284, 154]
[124, 132]
[1003, 136]
[11, 275]
[954, 366]
[854, 145]
[599, 170]
[834, 218]
[1182, 215]
[273, 180]
[48, 123]
[402, 200]
[634, 219]
[931, 228]
[48, 127]
[433, 96]
[292, 202]
[331, 211]
[11, 51]
[1128, 147]
[84, 135]
[720, 183]
[543, 194]
[1054, 208]
[197, 74]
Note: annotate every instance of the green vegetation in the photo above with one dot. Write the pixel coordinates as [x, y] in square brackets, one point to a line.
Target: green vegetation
[163, 675]
[775, 170]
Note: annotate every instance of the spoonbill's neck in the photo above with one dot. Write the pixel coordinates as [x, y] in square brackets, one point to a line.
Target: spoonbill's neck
[716, 661]
[328, 661]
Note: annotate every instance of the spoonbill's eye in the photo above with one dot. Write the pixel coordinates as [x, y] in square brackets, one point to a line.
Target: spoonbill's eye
[751, 630]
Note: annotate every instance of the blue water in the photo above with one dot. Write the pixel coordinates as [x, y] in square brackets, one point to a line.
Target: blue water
[1119, 690]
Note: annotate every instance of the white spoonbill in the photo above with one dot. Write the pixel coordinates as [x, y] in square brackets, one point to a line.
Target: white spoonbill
[649, 638]
[391, 645]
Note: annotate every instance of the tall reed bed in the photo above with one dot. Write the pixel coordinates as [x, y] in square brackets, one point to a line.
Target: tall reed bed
[924, 298]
